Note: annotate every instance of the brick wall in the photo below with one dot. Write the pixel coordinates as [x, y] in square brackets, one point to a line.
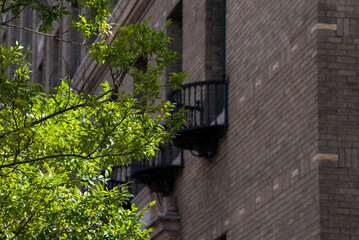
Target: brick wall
[272, 117]
[194, 38]
[214, 40]
[338, 97]
[261, 184]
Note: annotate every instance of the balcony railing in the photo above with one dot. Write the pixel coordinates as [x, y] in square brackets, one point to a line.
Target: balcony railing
[159, 172]
[122, 175]
[205, 103]
[119, 175]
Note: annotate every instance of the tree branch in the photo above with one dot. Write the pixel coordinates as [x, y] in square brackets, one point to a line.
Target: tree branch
[4, 10]
[57, 113]
[46, 118]
[109, 132]
[64, 155]
[17, 14]
[56, 36]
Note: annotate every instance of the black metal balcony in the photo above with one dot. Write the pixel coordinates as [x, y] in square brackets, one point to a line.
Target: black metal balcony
[158, 172]
[118, 176]
[122, 175]
[206, 112]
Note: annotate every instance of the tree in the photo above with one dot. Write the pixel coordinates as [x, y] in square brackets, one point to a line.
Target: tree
[53, 146]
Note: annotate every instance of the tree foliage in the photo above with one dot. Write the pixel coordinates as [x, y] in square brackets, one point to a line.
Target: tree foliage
[53, 146]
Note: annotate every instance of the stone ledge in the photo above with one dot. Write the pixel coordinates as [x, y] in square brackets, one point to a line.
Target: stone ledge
[324, 26]
[325, 159]
[325, 156]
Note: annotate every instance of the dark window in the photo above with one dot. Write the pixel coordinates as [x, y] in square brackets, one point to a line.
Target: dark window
[175, 31]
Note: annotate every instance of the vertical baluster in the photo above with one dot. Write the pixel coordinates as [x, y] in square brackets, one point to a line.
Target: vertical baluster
[193, 113]
[189, 105]
[193, 104]
[196, 105]
[215, 104]
[201, 113]
[207, 107]
[225, 102]
[184, 101]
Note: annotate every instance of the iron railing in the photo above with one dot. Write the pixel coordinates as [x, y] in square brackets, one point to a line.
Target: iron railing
[205, 103]
[165, 157]
[122, 175]
[158, 172]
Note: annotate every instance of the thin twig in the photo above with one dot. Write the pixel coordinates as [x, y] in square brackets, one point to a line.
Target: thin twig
[64, 155]
[56, 36]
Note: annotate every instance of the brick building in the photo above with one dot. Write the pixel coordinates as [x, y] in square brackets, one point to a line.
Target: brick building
[271, 149]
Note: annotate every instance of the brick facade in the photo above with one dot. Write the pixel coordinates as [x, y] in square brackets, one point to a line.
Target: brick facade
[338, 112]
[288, 165]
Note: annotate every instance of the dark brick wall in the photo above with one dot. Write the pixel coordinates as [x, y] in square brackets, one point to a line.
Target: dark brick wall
[261, 184]
[338, 107]
[272, 70]
[214, 41]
